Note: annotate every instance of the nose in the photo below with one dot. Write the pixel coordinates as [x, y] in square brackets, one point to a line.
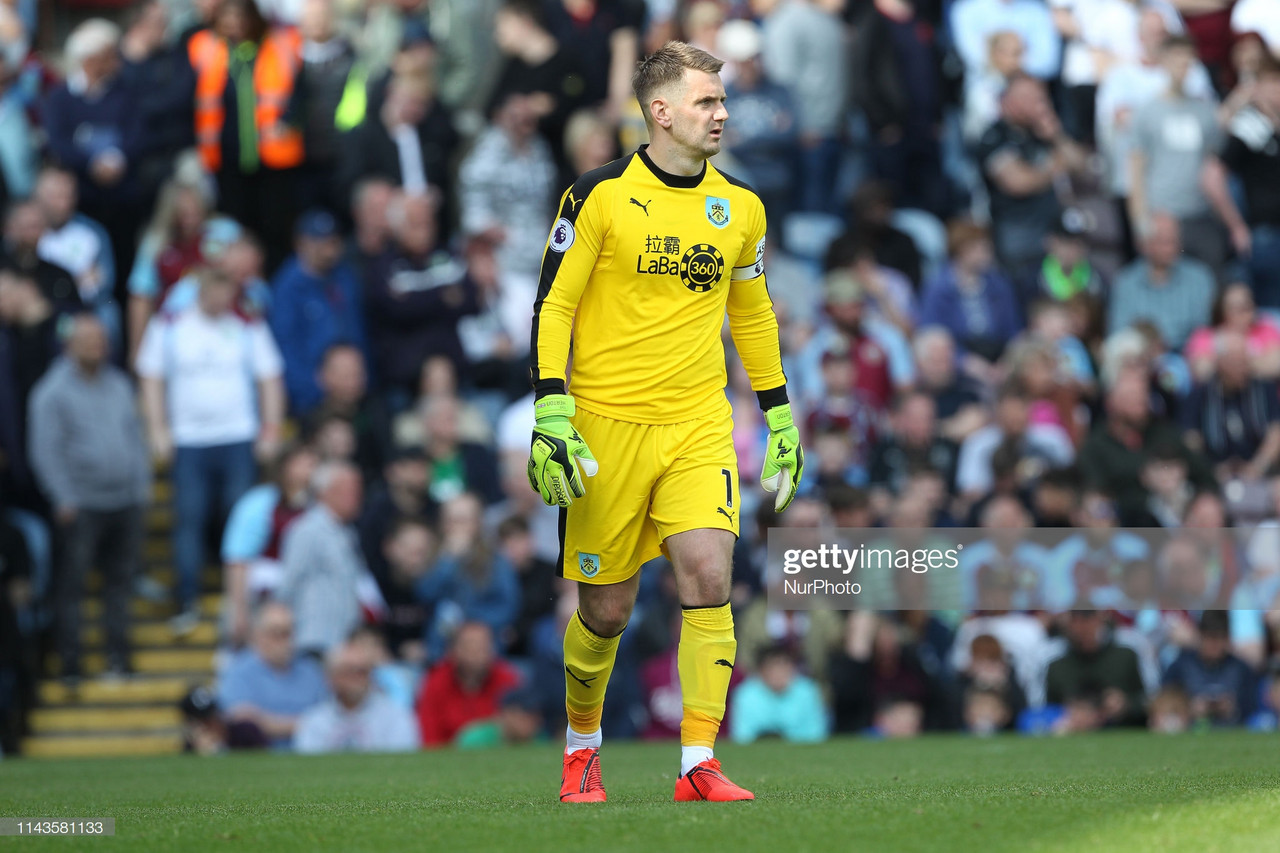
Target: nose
[722, 114]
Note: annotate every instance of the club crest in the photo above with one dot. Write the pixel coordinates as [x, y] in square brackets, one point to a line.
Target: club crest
[717, 211]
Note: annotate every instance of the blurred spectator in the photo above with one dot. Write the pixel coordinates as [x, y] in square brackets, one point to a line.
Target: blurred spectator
[957, 397]
[589, 142]
[1170, 712]
[327, 73]
[464, 687]
[408, 136]
[507, 194]
[415, 293]
[974, 21]
[322, 563]
[762, 135]
[1171, 290]
[897, 81]
[81, 246]
[1038, 445]
[408, 551]
[95, 130]
[269, 684]
[158, 69]
[913, 444]
[1098, 35]
[605, 39]
[1251, 151]
[370, 204]
[1005, 50]
[1257, 16]
[1128, 87]
[990, 697]
[213, 398]
[1209, 30]
[1066, 269]
[1022, 156]
[398, 681]
[874, 672]
[316, 304]
[1234, 312]
[538, 66]
[254, 536]
[1096, 671]
[469, 581]
[358, 717]
[1235, 419]
[972, 299]
[1222, 690]
[181, 231]
[890, 298]
[90, 458]
[399, 492]
[24, 227]
[1173, 134]
[1169, 493]
[1113, 455]
[778, 701]
[847, 421]
[241, 58]
[206, 732]
[343, 382]
[29, 336]
[871, 221]
[538, 579]
[866, 341]
[803, 45]
[18, 141]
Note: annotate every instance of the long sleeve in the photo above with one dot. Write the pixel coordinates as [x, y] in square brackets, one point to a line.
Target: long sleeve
[572, 250]
[45, 446]
[752, 322]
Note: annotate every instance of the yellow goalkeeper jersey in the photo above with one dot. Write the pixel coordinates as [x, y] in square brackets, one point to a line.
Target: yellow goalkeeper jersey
[639, 271]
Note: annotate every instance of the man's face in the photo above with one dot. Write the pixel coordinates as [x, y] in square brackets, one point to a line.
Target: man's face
[1084, 628]
[316, 21]
[698, 112]
[274, 637]
[320, 253]
[56, 195]
[937, 364]
[343, 376]
[26, 226]
[1163, 243]
[102, 65]
[217, 295]
[350, 676]
[410, 551]
[916, 420]
[88, 343]
[1177, 64]
[473, 651]
[1214, 646]
[1012, 414]
[344, 495]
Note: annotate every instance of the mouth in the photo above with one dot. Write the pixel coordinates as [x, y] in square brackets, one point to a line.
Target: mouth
[716, 132]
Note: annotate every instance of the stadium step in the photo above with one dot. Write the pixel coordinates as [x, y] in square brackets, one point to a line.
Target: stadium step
[135, 691]
[104, 745]
[209, 606]
[154, 632]
[90, 719]
[167, 661]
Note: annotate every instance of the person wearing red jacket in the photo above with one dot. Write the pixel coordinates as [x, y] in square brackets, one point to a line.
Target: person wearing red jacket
[466, 686]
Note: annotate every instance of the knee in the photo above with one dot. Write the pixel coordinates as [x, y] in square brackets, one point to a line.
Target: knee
[708, 581]
[605, 618]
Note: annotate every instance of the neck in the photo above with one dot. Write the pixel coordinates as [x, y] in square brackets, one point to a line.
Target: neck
[1160, 272]
[87, 368]
[673, 159]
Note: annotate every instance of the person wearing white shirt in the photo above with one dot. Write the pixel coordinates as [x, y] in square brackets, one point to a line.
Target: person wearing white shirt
[213, 397]
[359, 717]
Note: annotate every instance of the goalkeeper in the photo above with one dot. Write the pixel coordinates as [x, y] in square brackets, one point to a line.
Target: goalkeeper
[647, 256]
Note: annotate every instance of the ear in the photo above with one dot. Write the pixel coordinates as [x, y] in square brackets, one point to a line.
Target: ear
[660, 109]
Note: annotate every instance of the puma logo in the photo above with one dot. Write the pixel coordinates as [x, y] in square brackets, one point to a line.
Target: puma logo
[644, 207]
[725, 512]
[723, 662]
[573, 203]
[585, 682]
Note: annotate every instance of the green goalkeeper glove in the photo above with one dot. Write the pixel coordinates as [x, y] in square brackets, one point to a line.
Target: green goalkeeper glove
[553, 471]
[783, 457]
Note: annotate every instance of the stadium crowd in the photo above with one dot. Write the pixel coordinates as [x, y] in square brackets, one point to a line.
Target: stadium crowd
[1025, 257]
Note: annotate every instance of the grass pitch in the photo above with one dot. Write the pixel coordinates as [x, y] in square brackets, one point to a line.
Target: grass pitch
[1130, 792]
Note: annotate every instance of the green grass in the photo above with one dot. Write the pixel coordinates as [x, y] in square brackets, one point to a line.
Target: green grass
[1130, 792]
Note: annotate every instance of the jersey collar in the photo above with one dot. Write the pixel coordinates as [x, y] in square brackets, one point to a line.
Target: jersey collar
[680, 182]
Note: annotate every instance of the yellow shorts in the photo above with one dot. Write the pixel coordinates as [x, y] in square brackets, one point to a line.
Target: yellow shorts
[655, 480]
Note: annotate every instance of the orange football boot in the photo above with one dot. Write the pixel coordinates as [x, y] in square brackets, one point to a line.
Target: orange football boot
[706, 782]
[580, 782]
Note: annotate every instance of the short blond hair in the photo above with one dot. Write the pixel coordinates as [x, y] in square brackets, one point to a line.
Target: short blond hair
[666, 66]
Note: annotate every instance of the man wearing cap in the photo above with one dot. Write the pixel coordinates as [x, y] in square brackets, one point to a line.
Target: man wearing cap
[316, 304]
[1066, 270]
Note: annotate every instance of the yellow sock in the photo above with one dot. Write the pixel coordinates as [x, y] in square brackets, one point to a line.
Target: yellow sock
[705, 660]
[588, 662]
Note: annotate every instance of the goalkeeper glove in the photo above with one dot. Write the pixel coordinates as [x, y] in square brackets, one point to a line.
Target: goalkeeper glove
[783, 457]
[555, 447]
